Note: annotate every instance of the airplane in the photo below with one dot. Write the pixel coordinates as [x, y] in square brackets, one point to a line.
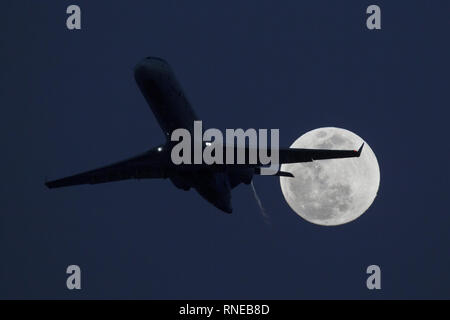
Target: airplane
[172, 110]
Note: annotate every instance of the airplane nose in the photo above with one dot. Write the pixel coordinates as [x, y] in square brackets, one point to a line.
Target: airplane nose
[156, 59]
[150, 66]
[139, 69]
[152, 62]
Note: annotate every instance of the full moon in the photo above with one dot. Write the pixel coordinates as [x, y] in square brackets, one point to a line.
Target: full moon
[336, 191]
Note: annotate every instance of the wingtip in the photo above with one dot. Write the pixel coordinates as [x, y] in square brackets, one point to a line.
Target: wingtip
[360, 149]
[49, 184]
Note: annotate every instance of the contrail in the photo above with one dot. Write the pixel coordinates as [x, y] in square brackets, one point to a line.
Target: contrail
[258, 200]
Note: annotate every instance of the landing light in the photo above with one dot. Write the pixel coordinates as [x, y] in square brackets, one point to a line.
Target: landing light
[159, 149]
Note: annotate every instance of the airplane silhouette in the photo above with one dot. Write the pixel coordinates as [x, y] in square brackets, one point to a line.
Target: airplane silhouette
[172, 110]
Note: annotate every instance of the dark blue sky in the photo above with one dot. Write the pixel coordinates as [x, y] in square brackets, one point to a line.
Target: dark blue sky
[69, 103]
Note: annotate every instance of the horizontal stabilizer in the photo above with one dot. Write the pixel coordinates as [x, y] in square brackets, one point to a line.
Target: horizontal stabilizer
[285, 174]
[279, 173]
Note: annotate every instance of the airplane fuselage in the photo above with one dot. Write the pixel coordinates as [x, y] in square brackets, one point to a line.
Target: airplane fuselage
[172, 110]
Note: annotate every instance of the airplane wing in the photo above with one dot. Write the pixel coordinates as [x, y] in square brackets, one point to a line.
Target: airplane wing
[294, 155]
[149, 165]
